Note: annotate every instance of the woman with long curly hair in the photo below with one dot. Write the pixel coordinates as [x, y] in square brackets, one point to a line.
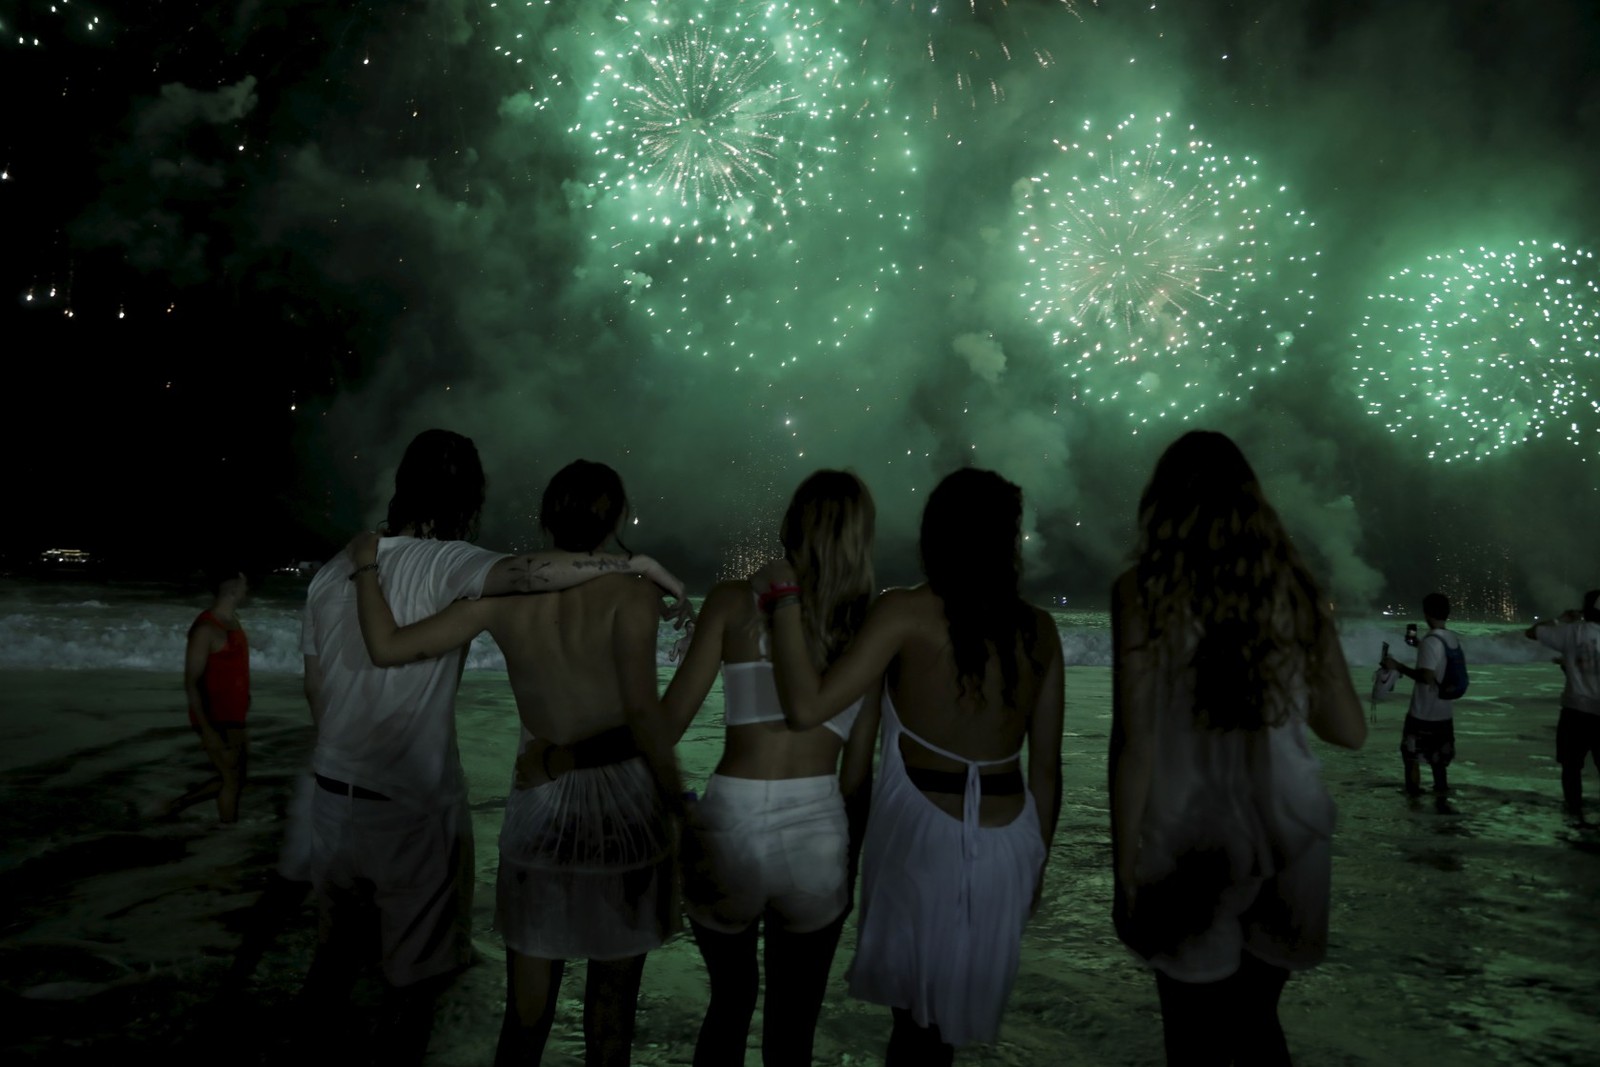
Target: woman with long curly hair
[775, 838]
[1224, 653]
[956, 844]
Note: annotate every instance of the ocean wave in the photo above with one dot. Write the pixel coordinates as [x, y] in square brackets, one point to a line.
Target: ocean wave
[151, 637]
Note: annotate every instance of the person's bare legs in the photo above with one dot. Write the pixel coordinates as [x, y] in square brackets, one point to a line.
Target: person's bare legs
[531, 988]
[216, 750]
[1413, 778]
[235, 752]
[735, 979]
[1572, 789]
[797, 981]
[610, 1000]
[911, 1045]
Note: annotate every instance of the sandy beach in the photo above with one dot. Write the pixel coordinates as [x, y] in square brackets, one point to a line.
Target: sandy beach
[1462, 937]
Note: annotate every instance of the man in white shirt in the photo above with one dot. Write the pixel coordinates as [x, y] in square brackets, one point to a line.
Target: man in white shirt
[1576, 635]
[390, 829]
[1429, 734]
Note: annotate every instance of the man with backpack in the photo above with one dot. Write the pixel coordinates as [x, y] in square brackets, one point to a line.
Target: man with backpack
[1440, 678]
[1576, 635]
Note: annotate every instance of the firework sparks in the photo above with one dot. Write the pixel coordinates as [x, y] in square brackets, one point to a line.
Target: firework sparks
[1479, 351]
[1147, 247]
[708, 121]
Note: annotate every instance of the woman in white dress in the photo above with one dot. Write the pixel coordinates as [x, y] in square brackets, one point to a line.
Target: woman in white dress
[956, 842]
[1224, 654]
[772, 844]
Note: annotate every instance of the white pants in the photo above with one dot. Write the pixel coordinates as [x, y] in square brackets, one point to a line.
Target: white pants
[406, 863]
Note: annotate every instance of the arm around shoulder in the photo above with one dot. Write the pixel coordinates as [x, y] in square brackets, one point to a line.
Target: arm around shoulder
[809, 701]
[552, 572]
[634, 652]
[698, 671]
[390, 645]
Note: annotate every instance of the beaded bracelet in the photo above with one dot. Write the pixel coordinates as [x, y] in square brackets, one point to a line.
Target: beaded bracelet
[364, 568]
[786, 601]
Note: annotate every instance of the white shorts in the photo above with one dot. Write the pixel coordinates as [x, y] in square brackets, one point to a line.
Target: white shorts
[406, 863]
[767, 848]
[586, 866]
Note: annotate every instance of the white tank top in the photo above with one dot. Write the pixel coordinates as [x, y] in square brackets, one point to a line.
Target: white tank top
[750, 695]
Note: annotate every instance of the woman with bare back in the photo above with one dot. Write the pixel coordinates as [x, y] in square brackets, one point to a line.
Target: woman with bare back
[956, 843]
[586, 849]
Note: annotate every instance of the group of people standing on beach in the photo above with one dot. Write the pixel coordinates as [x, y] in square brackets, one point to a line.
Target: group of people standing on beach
[914, 736]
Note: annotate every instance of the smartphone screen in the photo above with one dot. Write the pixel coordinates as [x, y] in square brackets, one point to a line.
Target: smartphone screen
[1411, 634]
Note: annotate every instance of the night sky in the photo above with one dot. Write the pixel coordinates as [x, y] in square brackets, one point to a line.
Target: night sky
[251, 248]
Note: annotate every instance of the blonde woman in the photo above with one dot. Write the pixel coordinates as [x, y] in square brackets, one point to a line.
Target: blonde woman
[771, 842]
[1224, 654]
[971, 681]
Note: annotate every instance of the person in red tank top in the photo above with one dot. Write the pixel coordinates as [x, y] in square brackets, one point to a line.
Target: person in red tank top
[216, 681]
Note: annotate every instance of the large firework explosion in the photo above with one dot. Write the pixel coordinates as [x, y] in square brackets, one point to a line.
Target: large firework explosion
[1149, 257]
[1476, 351]
[743, 169]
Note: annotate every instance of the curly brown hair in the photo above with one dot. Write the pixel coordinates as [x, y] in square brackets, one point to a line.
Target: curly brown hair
[1219, 579]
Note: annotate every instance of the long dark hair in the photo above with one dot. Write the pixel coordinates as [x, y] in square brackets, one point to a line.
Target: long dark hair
[1215, 567]
[972, 557]
[827, 534]
[583, 505]
[438, 490]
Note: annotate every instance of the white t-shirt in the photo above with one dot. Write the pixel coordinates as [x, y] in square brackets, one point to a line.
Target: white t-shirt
[1579, 645]
[1425, 702]
[391, 729]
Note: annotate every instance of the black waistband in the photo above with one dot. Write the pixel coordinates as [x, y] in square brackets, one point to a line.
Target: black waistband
[1001, 784]
[345, 789]
[615, 745]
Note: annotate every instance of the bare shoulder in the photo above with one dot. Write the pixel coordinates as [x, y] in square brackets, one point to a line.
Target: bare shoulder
[629, 592]
[905, 600]
[1044, 629]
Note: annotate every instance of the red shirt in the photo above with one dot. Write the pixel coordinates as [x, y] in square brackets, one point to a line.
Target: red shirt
[225, 684]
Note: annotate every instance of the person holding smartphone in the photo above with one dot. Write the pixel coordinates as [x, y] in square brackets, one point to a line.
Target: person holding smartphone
[1429, 734]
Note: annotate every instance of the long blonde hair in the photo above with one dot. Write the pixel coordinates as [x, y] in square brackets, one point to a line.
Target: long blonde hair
[827, 534]
[1218, 576]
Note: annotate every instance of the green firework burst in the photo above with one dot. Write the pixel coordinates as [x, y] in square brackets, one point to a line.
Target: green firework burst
[1164, 270]
[1477, 351]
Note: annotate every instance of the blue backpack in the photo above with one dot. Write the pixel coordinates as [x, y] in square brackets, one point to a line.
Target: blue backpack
[1453, 684]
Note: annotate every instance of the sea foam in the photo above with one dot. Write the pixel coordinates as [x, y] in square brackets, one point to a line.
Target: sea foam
[44, 629]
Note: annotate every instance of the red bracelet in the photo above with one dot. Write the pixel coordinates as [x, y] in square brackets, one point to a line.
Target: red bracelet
[775, 593]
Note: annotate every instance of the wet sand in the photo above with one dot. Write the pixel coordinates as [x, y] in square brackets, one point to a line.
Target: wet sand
[1462, 937]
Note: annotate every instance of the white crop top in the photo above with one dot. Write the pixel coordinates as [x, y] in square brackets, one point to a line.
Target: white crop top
[750, 695]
